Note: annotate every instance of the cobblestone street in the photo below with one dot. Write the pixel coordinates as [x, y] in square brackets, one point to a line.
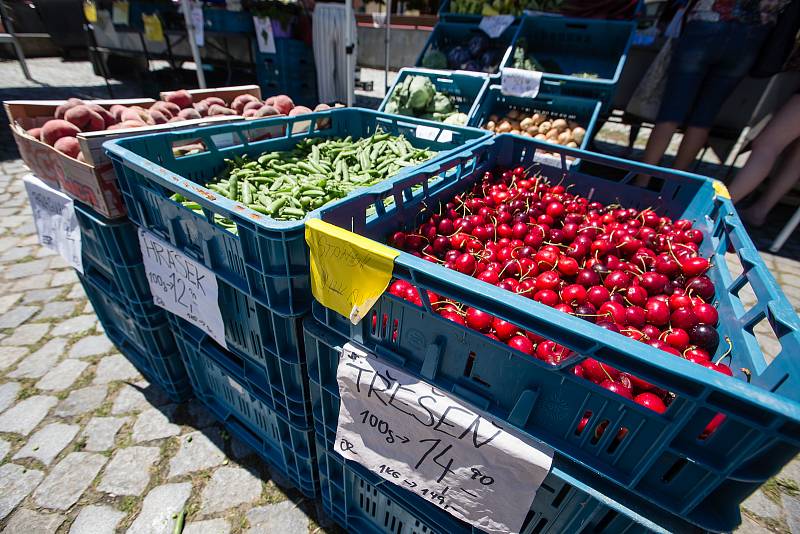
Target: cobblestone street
[88, 447]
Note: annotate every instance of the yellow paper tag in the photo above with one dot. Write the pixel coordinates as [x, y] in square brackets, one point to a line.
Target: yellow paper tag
[152, 28]
[721, 190]
[90, 11]
[348, 272]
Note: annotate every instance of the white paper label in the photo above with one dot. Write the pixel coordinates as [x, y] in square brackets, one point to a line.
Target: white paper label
[264, 35]
[182, 286]
[430, 443]
[495, 26]
[120, 13]
[520, 82]
[55, 220]
[431, 133]
[199, 24]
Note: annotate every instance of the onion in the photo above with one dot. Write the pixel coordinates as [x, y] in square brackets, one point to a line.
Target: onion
[560, 125]
[578, 134]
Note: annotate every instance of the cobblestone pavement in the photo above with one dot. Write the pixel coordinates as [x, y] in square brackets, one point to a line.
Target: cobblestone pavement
[88, 447]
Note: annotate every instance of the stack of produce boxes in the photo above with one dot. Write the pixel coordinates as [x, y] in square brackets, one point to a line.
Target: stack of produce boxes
[627, 352]
[236, 208]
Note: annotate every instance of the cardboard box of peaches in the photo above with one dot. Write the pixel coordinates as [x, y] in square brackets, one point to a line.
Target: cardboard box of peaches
[61, 141]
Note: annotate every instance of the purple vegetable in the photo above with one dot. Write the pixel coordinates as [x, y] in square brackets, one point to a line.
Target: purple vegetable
[472, 65]
[457, 56]
[490, 59]
[477, 45]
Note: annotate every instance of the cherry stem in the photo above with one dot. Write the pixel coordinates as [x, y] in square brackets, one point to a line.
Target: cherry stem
[727, 352]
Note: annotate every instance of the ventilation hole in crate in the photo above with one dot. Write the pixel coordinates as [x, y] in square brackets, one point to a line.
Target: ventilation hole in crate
[399, 527]
[561, 496]
[599, 430]
[528, 519]
[711, 427]
[767, 340]
[674, 470]
[617, 441]
[374, 322]
[747, 296]
[384, 322]
[734, 264]
[188, 147]
[470, 363]
[395, 331]
[587, 415]
[604, 523]
[481, 381]
[539, 526]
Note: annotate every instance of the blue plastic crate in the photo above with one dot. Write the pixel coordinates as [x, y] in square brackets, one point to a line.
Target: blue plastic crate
[290, 70]
[112, 248]
[281, 382]
[268, 259]
[449, 34]
[446, 14]
[567, 46]
[563, 503]
[245, 412]
[663, 457]
[465, 89]
[146, 341]
[584, 111]
[224, 21]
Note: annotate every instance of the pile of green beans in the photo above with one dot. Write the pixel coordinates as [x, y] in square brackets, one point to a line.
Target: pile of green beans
[287, 185]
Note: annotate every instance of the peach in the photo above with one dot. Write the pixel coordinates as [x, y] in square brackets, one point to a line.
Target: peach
[283, 104]
[202, 108]
[188, 114]
[158, 117]
[240, 101]
[216, 109]
[299, 110]
[255, 105]
[69, 146]
[108, 118]
[85, 119]
[211, 100]
[132, 123]
[55, 129]
[116, 110]
[181, 98]
[66, 106]
[36, 133]
[266, 111]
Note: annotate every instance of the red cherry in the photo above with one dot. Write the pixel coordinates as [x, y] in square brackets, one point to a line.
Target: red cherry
[652, 401]
[694, 266]
[657, 312]
[597, 372]
[615, 310]
[478, 320]
[465, 263]
[521, 343]
[617, 388]
[503, 329]
[452, 316]
[718, 367]
[617, 280]
[712, 426]
[677, 338]
[635, 316]
[683, 318]
[574, 294]
[706, 313]
[597, 295]
[697, 355]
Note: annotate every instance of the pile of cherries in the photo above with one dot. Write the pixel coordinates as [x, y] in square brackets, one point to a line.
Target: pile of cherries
[626, 270]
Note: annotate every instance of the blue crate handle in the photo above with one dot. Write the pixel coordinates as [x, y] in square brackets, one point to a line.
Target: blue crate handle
[638, 358]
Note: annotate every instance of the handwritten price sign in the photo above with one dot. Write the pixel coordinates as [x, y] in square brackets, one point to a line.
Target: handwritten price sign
[432, 444]
[55, 220]
[182, 286]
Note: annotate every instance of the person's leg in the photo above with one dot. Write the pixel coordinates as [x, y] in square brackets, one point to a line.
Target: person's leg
[782, 129]
[324, 35]
[784, 181]
[732, 54]
[686, 72]
[694, 139]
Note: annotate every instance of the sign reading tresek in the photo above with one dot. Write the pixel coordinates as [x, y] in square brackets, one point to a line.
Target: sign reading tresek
[182, 286]
[432, 444]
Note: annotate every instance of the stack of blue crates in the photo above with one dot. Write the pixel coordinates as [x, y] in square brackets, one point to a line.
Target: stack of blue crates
[290, 70]
[258, 383]
[661, 466]
[115, 282]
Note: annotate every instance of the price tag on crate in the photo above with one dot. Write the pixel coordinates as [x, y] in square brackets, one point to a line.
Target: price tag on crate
[520, 82]
[182, 286]
[198, 24]
[264, 35]
[55, 220]
[120, 12]
[496, 25]
[434, 445]
[431, 133]
[348, 272]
